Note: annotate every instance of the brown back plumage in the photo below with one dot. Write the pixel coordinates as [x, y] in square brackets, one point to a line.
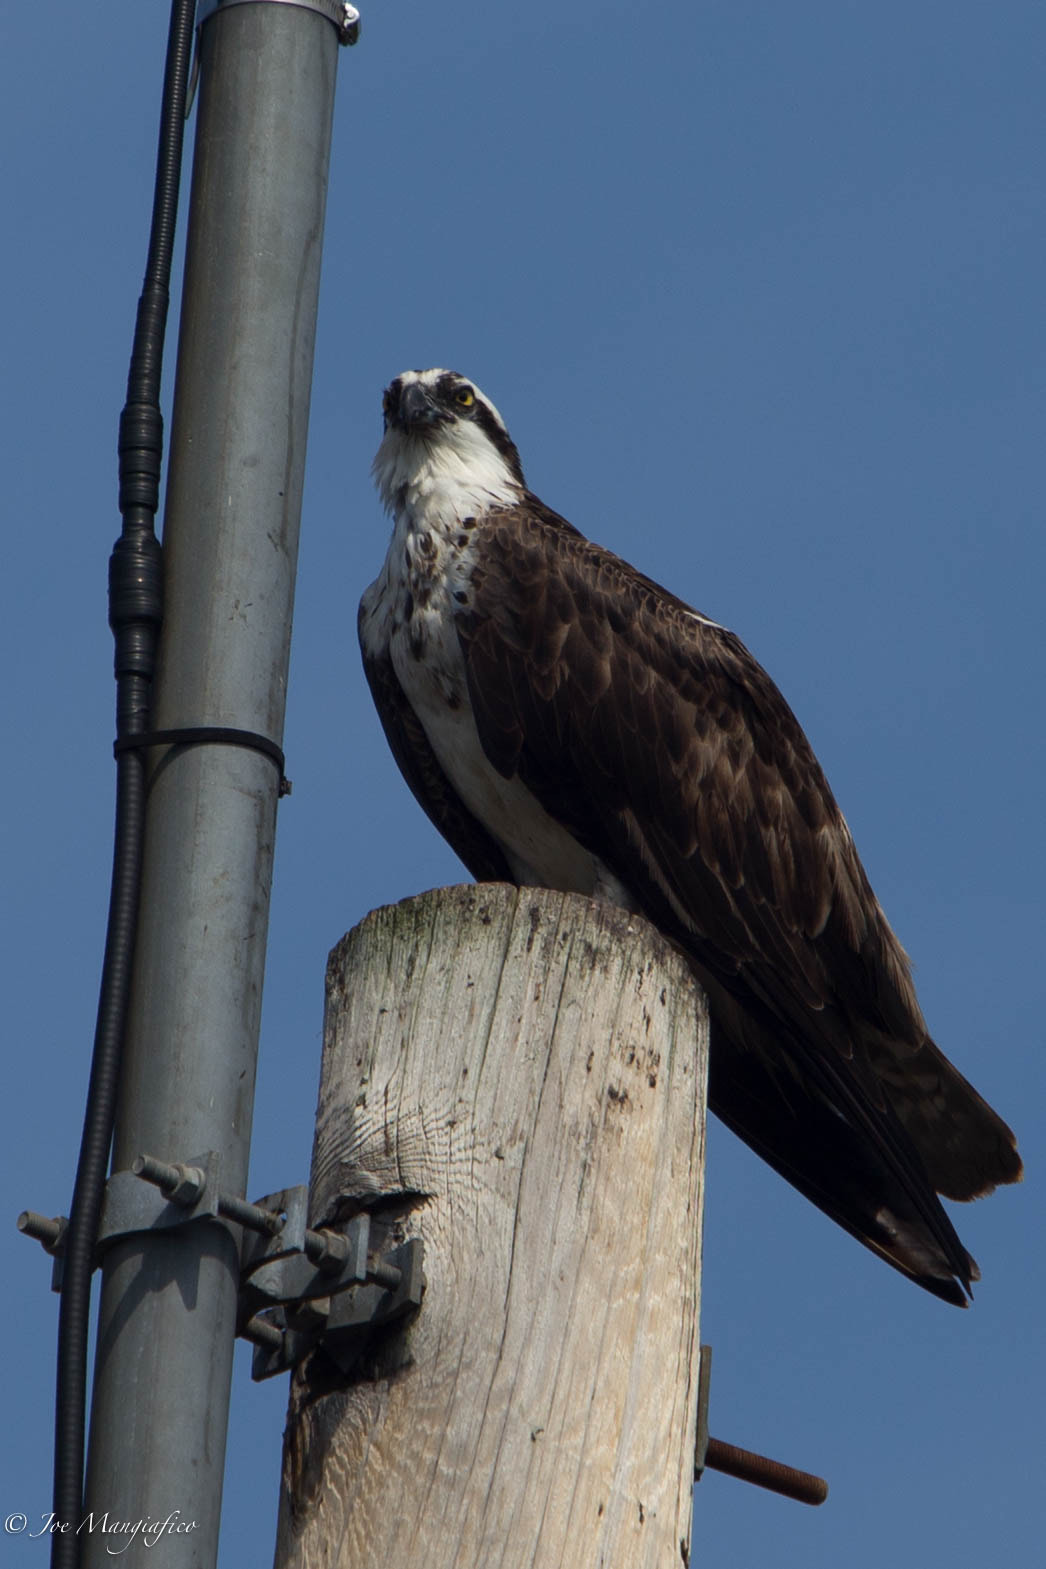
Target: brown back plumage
[660, 743]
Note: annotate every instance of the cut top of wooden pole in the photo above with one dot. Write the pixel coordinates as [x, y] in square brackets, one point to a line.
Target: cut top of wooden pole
[517, 1077]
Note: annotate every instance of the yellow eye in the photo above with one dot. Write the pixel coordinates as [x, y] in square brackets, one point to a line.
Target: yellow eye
[464, 397]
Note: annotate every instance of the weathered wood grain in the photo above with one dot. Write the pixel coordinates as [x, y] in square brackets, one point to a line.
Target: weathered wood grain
[518, 1077]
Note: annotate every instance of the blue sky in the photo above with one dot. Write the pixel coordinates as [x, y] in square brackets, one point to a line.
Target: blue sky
[758, 290]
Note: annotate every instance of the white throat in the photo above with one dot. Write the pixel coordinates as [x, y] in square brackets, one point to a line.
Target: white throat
[452, 473]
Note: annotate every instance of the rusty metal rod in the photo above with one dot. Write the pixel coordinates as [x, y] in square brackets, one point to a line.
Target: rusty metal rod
[771, 1474]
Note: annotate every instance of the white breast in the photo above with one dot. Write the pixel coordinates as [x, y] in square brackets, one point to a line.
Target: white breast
[409, 610]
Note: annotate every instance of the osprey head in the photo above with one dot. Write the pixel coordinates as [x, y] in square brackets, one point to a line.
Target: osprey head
[442, 434]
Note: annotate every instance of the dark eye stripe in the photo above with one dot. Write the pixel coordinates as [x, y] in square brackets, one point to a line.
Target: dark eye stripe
[448, 384]
[498, 435]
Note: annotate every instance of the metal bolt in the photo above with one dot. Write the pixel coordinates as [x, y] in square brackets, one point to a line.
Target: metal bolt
[771, 1474]
[326, 1249]
[45, 1230]
[181, 1184]
[386, 1275]
[261, 1333]
[265, 1221]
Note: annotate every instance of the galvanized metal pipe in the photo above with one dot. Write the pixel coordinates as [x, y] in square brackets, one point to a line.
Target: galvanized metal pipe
[168, 1305]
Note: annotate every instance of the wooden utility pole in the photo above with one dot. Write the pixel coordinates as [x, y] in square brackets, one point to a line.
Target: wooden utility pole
[517, 1077]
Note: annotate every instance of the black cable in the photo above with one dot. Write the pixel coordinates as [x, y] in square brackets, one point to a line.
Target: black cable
[135, 611]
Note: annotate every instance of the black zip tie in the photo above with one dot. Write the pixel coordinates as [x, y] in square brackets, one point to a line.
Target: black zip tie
[196, 735]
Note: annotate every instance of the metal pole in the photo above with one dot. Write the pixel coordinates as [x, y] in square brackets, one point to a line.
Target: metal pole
[168, 1302]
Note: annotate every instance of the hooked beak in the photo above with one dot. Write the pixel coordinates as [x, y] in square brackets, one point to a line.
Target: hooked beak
[414, 407]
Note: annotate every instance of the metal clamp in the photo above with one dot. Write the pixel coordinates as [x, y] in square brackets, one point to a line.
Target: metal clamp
[386, 1287]
[346, 18]
[170, 1195]
[299, 1287]
[324, 1263]
[346, 22]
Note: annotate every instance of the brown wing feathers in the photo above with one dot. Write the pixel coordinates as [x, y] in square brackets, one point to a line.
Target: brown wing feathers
[670, 754]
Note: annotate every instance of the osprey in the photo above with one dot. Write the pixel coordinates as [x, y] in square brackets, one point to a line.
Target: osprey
[566, 722]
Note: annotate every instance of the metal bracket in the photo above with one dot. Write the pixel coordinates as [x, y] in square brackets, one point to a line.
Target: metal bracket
[153, 1195]
[704, 1384]
[711, 1454]
[299, 1287]
[388, 1287]
[332, 1289]
[169, 1196]
[286, 1273]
